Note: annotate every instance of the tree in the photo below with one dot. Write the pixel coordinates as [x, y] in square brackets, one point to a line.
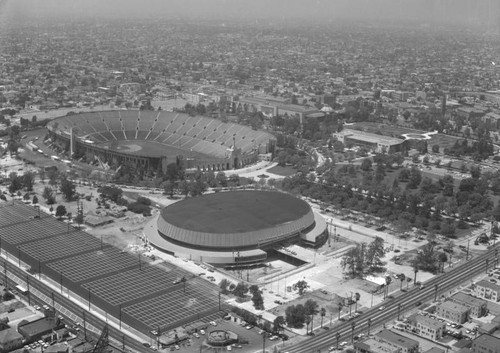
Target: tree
[224, 283]
[68, 189]
[15, 183]
[435, 148]
[278, 324]
[60, 211]
[402, 278]
[443, 258]
[35, 200]
[41, 174]
[48, 195]
[366, 165]
[295, 316]
[53, 175]
[258, 301]
[28, 180]
[357, 297]
[322, 312]
[169, 188]
[302, 286]
[240, 290]
[311, 309]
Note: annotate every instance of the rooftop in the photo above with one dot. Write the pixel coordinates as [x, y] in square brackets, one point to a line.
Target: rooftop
[487, 284]
[453, 306]
[369, 137]
[397, 339]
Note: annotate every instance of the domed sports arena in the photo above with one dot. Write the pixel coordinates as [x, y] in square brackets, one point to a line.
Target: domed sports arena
[150, 140]
[235, 226]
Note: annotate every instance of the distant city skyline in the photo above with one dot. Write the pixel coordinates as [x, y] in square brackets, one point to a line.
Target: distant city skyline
[467, 12]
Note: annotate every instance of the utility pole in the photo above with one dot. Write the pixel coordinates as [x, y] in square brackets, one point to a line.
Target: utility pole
[28, 289]
[467, 254]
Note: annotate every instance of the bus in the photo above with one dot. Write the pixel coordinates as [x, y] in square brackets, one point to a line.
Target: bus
[21, 289]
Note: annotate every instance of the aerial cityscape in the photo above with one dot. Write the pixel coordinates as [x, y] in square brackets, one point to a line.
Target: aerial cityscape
[286, 176]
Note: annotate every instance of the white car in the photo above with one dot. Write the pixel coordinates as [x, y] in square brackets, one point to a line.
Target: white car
[202, 332]
[213, 323]
[342, 344]
[196, 335]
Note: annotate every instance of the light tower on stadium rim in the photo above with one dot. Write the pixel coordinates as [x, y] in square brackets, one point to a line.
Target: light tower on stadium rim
[71, 143]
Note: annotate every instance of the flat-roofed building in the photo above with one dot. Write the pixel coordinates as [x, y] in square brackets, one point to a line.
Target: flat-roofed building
[268, 105]
[486, 290]
[33, 331]
[375, 142]
[485, 344]
[298, 111]
[477, 306]
[426, 326]
[371, 345]
[406, 344]
[10, 339]
[453, 312]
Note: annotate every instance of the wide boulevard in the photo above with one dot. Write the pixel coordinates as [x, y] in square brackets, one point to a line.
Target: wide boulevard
[392, 308]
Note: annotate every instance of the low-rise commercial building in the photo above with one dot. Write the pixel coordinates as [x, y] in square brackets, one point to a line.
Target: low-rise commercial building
[372, 345]
[407, 345]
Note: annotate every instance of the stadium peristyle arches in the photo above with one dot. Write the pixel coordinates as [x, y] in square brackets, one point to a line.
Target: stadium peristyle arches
[150, 140]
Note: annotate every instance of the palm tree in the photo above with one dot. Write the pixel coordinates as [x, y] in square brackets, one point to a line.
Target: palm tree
[357, 296]
[402, 278]
[415, 270]
[388, 281]
[308, 321]
[322, 312]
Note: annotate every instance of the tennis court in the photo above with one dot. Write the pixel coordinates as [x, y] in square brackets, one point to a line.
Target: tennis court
[61, 246]
[28, 231]
[94, 264]
[147, 294]
[166, 309]
[133, 284]
[12, 214]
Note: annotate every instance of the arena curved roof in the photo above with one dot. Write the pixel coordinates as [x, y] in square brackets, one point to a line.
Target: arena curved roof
[230, 220]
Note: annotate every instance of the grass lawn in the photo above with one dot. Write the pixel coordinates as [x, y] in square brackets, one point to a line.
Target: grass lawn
[283, 171]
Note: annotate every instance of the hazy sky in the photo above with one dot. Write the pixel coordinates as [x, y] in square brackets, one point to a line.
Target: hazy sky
[421, 10]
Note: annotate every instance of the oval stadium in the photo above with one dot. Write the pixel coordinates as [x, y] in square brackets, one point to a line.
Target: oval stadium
[150, 140]
[235, 226]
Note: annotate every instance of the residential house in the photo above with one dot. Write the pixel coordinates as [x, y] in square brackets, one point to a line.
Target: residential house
[426, 326]
[10, 340]
[486, 290]
[478, 307]
[485, 344]
[452, 311]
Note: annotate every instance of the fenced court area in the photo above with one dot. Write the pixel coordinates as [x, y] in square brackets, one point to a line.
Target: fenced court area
[164, 310]
[23, 232]
[94, 264]
[132, 284]
[106, 276]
